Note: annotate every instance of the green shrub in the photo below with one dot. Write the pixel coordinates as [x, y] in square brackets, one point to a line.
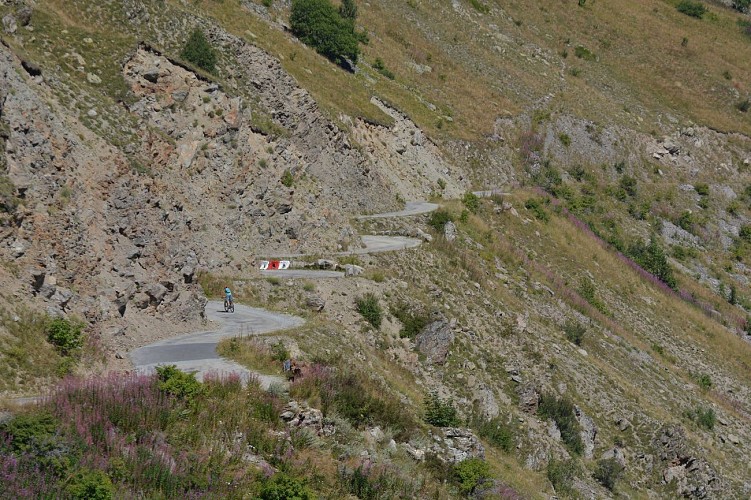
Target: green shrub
[90, 485]
[439, 412]
[628, 184]
[439, 218]
[652, 258]
[370, 309]
[584, 53]
[537, 207]
[607, 472]
[743, 106]
[412, 322]
[348, 10]
[745, 233]
[65, 335]
[284, 487]
[470, 473]
[317, 23]
[199, 51]
[28, 431]
[691, 8]
[588, 292]
[178, 383]
[702, 189]
[704, 381]
[8, 199]
[704, 417]
[496, 432]
[471, 201]
[565, 139]
[381, 68]
[267, 3]
[279, 351]
[287, 178]
[561, 411]
[741, 5]
[574, 331]
[561, 475]
[479, 6]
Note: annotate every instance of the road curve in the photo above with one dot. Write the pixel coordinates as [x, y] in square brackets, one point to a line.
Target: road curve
[196, 352]
[411, 208]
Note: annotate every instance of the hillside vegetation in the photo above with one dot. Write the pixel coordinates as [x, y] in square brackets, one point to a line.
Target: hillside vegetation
[582, 330]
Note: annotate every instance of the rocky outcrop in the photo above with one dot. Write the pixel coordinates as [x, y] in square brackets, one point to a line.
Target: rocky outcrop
[694, 476]
[435, 340]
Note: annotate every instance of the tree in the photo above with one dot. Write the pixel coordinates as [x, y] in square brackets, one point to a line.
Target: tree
[198, 51]
[318, 24]
[348, 10]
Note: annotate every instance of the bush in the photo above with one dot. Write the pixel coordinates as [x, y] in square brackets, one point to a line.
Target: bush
[90, 485]
[439, 412]
[702, 189]
[704, 381]
[561, 411]
[65, 335]
[26, 432]
[741, 5]
[471, 201]
[652, 258]
[470, 473]
[317, 23]
[370, 309]
[348, 10]
[565, 139]
[381, 68]
[284, 487]
[287, 178]
[8, 199]
[584, 53]
[743, 106]
[691, 8]
[178, 383]
[536, 206]
[198, 51]
[574, 332]
[497, 432]
[628, 184]
[561, 475]
[439, 219]
[607, 473]
[412, 322]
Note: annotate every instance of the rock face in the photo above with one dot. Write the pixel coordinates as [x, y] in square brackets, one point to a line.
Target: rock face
[455, 445]
[694, 477]
[435, 340]
[300, 415]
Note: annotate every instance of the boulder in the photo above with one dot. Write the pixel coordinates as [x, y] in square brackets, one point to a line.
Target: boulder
[151, 75]
[352, 270]
[449, 231]
[156, 291]
[588, 431]
[435, 340]
[9, 24]
[616, 454]
[23, 16]
[456, 445]
[315, 303]
[529, 398]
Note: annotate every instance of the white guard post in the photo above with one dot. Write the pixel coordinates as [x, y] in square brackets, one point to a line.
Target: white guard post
[264, 265]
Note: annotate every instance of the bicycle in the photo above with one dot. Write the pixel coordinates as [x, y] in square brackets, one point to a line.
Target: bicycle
[229, 305]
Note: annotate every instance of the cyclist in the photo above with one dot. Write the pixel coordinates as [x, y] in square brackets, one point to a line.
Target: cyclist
[227, 295]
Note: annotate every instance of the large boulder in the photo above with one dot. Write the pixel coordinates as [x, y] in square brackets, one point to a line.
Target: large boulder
[435, 340]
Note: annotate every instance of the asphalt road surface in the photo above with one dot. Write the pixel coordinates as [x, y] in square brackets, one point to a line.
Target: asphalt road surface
[196, 352]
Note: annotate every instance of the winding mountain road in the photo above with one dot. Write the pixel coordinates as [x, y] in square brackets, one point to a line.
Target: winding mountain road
[196, 352]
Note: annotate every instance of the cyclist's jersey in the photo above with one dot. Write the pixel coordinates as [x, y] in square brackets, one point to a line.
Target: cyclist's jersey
[228, 294]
